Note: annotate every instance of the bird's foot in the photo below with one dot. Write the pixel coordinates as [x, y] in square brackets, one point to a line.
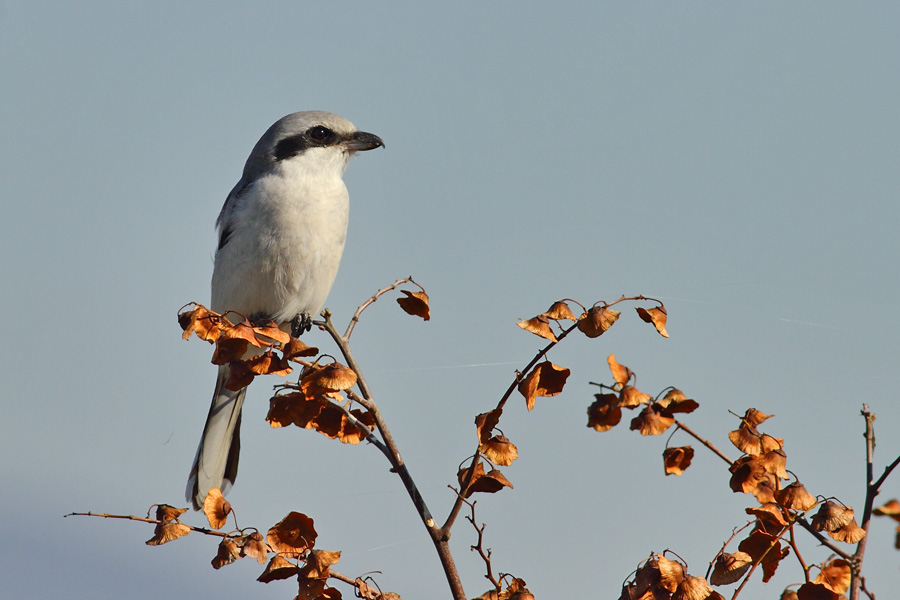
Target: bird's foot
[300, 324]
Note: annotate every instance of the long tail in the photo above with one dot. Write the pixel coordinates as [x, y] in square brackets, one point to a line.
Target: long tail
[216, 462]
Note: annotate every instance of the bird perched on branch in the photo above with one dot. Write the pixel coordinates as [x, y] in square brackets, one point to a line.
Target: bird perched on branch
[281, 236]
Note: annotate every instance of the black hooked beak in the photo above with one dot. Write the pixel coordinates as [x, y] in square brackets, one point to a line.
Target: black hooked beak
[360, 140]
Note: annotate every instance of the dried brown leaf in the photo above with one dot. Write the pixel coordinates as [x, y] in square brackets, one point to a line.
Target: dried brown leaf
[278, 568]
[166, 532]
[318, 563]
[730, 568]
[653, 420]
[166, 513]
[229, 350]
[604, 413]
[239, 376]
[499, 450]
[620, 373]
[559, 311]
[416, 304]
[253, 546]
[656, 316]
[485, 423]
[831, 516]
[293, 535]
[693, 588]
[596, 321]
[676, 460]
[216, 508]
[630, 397]
[540, 326]
[227, 553]
[836, 575]
[795, 497]
[817, 591]
[200, 321]
[295, 349]
[546, 379]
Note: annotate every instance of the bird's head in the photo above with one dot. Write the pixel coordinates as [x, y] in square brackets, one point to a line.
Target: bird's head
[322, 141]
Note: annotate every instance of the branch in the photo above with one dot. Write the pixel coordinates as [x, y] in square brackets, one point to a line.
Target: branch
[366, 399]
[365, 305]
[706, 443]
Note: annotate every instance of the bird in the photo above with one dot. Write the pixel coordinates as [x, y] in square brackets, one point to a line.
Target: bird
[281, 235]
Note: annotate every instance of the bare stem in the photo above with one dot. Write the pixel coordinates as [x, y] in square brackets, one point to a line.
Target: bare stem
[376, 296]
[438, 536]
[706, 443]
[872, 489]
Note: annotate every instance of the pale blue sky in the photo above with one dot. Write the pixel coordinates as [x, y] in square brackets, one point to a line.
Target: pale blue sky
[737, 161]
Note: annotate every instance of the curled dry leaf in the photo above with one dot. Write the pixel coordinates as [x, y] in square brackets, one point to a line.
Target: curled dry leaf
[693, 588]
[795, 497]
[774, 462]
[769, 517]
[239, 376]
[229, 350]
[318, 563]
[278, 568]
[656, 316]
[620, 373]
[166, 513]
[216, 508]
[816, 591]
[559, 311]
[253, 546]
[293, 535]
[890, 509]
[676, 460]
[200, 321]
[499, 450]
[758, 545]
[269, 363]
[653, 420]
[295, 349]
[323, 379]
[831, 516]
[539, 326]
[746, 440]
[671, 572]
[488, 483]
[850, 533]
[754, 417]
[485, 423]
[836, 575]
[749, 476]
[316, 589]
[604, 413]
[595, 321]
[630, 396]
[166, 532]
[270, 333]
[240, 331]
[227, 553]
[416, 304]
[730, 568]
[546, 379]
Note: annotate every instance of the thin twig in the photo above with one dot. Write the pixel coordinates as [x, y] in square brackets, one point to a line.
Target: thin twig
[355, 319]
[706, 443]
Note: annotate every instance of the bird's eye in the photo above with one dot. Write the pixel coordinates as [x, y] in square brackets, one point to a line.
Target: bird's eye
[320, 133]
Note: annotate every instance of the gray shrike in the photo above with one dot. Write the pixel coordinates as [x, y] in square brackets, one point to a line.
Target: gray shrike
[281, 236]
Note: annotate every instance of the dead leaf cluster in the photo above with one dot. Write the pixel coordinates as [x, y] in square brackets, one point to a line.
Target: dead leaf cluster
[660, 578]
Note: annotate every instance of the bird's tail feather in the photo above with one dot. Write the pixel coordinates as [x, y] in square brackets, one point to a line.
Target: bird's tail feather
[216, 462]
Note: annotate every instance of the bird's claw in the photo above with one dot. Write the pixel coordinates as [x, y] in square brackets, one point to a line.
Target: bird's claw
[300, 324]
